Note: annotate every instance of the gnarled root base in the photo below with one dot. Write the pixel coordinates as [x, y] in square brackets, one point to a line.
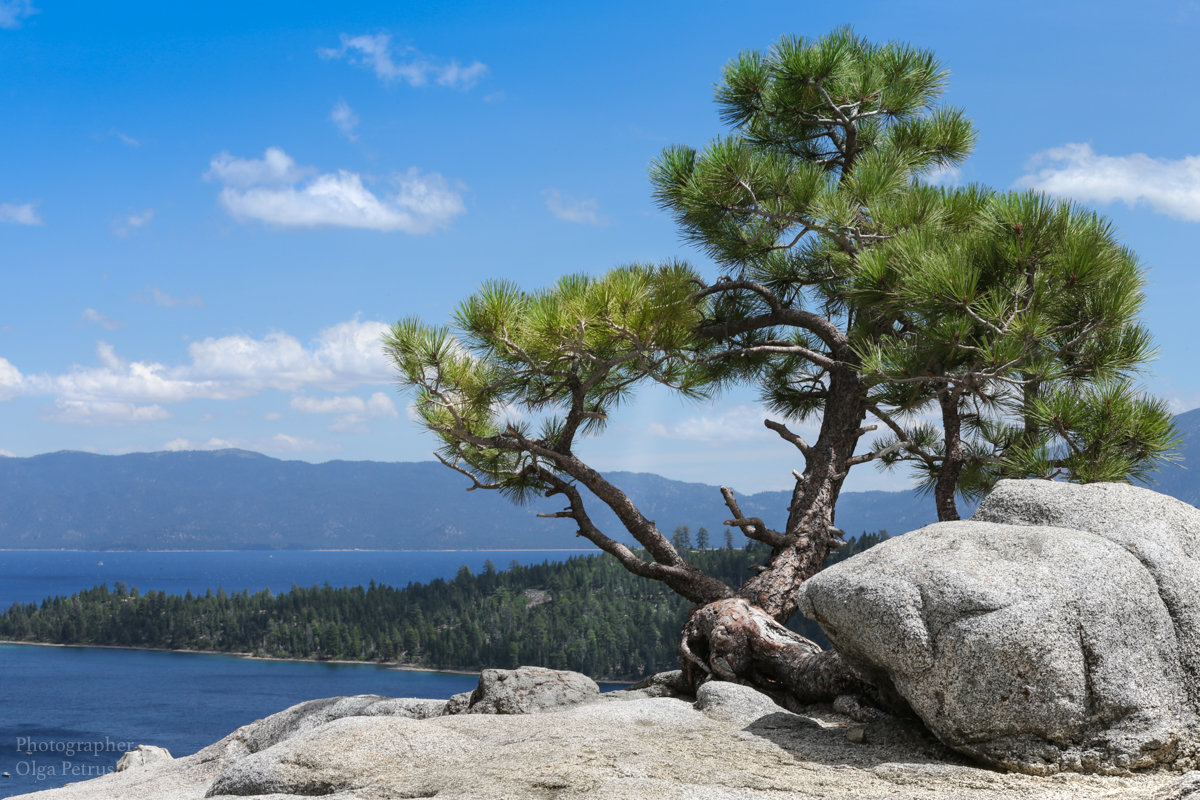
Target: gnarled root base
[731, 640]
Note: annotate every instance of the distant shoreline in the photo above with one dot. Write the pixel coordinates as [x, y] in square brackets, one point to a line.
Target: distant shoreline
[252, 657]
[318, 550]
[249, 656]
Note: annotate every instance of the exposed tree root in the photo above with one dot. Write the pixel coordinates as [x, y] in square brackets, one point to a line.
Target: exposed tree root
[731, 640]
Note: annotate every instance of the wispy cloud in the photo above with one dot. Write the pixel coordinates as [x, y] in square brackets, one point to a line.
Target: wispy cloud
[943, 176]
[125, 138]
[276, 191]
[570, 209]
[159, 297]
[12, 382]
[275, 168]
[7, 453]
[130, 223]
[352, 411]
[346, 120]
[403, 63]
[92, 411]
[20, 214]
[14, 12]
[96, 318]
[738, 423]
[341, 358]
[279, 443]
[284, 443]
[177, 445]
[1170, 187]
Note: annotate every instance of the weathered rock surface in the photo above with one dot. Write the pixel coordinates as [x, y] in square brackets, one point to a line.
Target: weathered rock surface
[730, 744]
[1159, 531]
[1031, 647]
[527, 690]
[142, 755]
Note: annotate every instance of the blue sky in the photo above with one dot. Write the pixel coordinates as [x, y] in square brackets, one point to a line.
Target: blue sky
[208, 211]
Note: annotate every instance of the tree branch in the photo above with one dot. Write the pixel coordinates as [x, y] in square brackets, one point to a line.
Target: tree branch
[752, 527]
[460, 470]
[788, 436]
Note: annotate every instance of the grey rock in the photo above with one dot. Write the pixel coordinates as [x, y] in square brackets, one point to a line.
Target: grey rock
[1187, 787]
[457, 704]
[341, 755]
[661, 684]
[856, 734]
[410, 707]
[263, 733]
[528, 690]
[664, 684]
[641, 749]
[1036, 649]
[732, 702]
[1159, 531]
[142, 755]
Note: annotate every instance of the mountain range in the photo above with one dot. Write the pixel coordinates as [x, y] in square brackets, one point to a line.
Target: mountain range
[238, 500]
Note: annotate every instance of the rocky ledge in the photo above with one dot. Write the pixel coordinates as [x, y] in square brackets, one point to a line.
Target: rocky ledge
[535, 733]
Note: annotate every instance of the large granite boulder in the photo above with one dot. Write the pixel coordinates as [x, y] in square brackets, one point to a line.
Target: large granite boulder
[1032, 647]
[528, 690]
[1159, 531]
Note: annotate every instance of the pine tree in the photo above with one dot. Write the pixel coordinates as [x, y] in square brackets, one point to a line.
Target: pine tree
[851, 293]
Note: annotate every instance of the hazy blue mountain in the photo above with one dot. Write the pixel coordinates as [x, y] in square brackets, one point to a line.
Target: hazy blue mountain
[1177, 480]
[234, 499]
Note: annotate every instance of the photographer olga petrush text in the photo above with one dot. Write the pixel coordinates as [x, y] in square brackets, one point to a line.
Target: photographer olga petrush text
[54, 758]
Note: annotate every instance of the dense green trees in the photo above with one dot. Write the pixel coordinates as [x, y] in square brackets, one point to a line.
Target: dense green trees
[585, 614]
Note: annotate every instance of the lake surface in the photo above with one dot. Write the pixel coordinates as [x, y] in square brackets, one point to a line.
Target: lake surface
[97, 702]
[30, 576]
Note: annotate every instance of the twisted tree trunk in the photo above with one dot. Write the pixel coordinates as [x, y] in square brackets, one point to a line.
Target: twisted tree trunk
[743, 638]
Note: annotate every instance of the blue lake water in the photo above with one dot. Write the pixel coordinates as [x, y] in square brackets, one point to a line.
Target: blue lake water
[96, 702]
[29, 576]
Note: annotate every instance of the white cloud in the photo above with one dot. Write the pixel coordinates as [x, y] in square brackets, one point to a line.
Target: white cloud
[127, 225]
[570, 209]
[279, 443]
[125, 138]
[162, 298]
[104, 412]
[275, 168]
[106, 322]
[11, 380]
[270, 190]
[734, 424]
[1076, 171]
[353, 411]
[346, 120]
[7, 453]
[176, 445]
[407, 64]
[340, 358]
[943, 176]
[12, 12]
[20, 214]
[282, 442]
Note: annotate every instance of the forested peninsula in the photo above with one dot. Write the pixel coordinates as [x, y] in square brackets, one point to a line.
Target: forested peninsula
[586, 614]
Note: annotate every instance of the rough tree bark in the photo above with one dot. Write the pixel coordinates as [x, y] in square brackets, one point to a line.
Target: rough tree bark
[952, 464]
[743, 638]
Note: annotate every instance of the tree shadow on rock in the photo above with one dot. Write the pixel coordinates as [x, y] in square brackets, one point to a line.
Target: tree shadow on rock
[828, 738]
